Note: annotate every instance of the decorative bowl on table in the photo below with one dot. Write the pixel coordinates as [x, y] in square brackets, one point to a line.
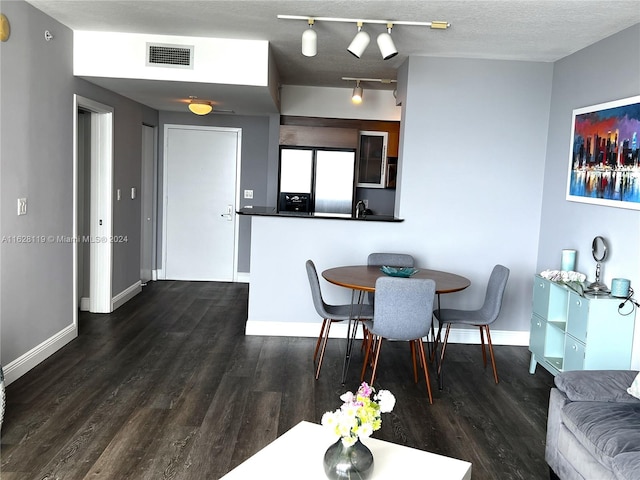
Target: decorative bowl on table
[398, 271]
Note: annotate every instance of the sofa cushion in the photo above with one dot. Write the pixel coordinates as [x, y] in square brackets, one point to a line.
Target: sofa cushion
[597, 385]
[626, 466]
[605, 429]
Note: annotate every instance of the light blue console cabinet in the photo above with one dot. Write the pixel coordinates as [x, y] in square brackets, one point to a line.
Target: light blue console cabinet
[574, 332]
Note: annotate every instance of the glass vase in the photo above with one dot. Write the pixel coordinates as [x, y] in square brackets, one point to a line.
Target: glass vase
[353, 462]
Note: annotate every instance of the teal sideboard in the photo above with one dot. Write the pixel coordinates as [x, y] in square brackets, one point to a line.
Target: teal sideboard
[574, 332]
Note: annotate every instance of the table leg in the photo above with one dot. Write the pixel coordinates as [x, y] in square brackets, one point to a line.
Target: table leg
[352, 328]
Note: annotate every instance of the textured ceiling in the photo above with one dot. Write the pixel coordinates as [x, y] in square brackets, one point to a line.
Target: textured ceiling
[507, 29]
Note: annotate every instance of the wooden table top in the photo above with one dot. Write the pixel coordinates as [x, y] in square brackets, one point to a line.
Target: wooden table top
[363, 277]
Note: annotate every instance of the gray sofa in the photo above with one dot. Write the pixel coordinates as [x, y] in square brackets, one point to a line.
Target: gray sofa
[593, 428]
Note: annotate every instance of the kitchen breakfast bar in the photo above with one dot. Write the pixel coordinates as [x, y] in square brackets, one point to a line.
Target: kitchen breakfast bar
[280, 301]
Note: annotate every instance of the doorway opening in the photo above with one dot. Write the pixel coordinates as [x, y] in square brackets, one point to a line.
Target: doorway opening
[92, 205]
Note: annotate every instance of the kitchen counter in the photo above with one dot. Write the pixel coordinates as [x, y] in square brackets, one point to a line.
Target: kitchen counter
[272, 212]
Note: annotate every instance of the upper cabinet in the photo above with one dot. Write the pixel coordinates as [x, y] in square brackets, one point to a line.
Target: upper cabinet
[372, 159]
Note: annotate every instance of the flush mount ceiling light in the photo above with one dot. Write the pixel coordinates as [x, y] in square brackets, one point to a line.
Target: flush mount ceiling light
[358, 91]
[200, 107]
[361, 40]
[310, 40]
[385, 44]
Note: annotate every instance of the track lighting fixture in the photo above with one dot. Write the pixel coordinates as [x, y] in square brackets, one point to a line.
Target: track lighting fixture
[357, 93]
[200, 107]
[385, 44]
[359, 42]
[310, 40]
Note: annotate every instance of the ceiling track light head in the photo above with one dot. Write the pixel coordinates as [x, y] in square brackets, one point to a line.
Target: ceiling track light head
[356, 97]
[310, 40]
[385, 44]
[359, 42]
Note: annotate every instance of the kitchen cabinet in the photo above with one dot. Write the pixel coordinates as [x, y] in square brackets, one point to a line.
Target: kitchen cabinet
[573, 332]
[372, 159]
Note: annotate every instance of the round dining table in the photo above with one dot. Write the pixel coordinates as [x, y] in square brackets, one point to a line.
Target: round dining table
[363, 278]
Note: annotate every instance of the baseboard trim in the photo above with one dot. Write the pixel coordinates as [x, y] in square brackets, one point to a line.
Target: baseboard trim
[339, 330]
[24, 363]
[126, 295]
[84, 304]
[243, 277]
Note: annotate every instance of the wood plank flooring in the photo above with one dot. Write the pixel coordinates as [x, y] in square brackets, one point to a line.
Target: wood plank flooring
[169, 387]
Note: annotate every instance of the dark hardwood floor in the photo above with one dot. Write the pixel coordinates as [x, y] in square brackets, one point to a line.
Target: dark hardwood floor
[168, 387]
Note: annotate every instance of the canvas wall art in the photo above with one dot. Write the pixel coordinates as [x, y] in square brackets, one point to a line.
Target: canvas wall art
[605, 146]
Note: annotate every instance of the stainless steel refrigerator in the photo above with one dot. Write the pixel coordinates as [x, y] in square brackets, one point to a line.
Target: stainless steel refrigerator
[317, 180]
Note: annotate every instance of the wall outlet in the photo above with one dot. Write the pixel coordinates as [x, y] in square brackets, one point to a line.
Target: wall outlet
[22, 206]
[248, 194]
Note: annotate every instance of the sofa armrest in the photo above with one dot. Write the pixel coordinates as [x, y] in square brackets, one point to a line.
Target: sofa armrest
[597, 385]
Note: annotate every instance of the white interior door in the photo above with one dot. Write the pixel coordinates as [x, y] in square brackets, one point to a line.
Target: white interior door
[201, 165]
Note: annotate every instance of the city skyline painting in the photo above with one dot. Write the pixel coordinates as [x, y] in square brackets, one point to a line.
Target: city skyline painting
[605, 145]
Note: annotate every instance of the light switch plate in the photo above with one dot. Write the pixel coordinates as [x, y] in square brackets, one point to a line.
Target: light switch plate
[22, 206]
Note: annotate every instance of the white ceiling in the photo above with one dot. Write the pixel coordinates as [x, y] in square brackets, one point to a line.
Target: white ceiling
[543, 30]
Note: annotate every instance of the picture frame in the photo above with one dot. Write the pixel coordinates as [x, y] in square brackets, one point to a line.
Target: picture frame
[604, 163]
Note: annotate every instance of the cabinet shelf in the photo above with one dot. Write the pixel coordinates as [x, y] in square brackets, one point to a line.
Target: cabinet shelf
[572, 332]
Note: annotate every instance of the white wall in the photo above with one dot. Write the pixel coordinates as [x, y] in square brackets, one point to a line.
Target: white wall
[472, 161]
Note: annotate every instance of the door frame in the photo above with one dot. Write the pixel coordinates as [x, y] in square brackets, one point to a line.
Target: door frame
[152, 198]
[165, 197]
[101, 205]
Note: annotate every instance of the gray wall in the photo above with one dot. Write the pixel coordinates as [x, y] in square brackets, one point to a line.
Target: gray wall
[473, 145]
[608, 70]
[36, 161]
[257, 154]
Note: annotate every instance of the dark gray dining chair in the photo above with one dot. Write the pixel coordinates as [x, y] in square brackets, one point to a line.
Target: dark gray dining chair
[403, 311]
[330, 314]
[482, 318]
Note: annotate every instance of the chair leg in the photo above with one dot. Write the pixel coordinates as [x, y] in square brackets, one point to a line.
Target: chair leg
[413, 358]
[375, 359]
[367, 352]
[315, 352]
[484, 353]
[444, 347]
[423, 360]
[493, 360]
[325, 339]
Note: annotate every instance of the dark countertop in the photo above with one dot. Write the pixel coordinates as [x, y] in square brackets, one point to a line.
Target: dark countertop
[272, 212]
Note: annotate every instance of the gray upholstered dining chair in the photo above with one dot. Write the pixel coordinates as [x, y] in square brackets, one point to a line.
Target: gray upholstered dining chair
[379, 259]
[391, 259]
[330, 314]
[482, 318]
[403, 311]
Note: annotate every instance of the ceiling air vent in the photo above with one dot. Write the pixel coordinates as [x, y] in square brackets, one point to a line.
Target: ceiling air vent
[177, 56]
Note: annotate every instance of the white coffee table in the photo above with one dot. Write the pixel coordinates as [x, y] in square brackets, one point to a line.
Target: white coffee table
[302, 448]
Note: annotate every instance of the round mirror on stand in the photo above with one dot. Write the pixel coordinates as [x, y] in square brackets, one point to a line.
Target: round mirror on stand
[599, 249]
